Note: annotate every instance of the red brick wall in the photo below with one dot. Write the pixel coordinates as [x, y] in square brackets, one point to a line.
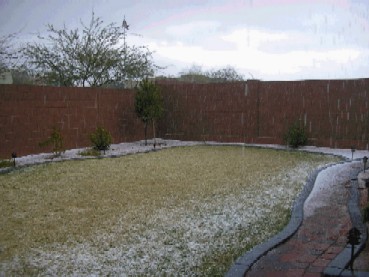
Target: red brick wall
[219, 112]
[335, 113]
[29, 113]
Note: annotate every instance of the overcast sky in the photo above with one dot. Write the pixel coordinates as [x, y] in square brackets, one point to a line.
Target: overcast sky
[262, 39]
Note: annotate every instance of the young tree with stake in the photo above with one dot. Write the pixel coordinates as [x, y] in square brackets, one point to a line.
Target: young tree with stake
[148, 104]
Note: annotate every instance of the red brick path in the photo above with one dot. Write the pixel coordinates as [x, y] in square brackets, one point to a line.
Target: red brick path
[318, 241]
[362, 262]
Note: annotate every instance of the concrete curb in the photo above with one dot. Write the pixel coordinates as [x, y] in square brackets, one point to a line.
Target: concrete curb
[244, 263]
[6, 170]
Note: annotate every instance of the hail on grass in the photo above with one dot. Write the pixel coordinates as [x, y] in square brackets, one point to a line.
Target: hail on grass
[154, 214]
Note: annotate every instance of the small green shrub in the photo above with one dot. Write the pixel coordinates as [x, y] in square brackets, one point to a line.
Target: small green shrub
[101, 139]
[366, 214]
[90, 152]
[56, 140]
[6, 163]
[296, 136]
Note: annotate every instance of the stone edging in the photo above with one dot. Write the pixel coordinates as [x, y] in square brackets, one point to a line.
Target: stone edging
[83, 158]
[337, 267]
[244, 263]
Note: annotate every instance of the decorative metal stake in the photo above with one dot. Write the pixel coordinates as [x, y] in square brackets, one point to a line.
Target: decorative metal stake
[365, 159]
[14, 156]
[353, 238]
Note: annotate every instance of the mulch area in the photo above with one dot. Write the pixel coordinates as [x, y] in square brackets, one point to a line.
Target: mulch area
[320, 238]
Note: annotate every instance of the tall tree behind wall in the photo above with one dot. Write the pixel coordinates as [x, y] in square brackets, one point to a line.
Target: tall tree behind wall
[8, 53]
[95, 55]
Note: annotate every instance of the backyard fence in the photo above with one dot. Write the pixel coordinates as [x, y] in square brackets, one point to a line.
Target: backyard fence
[334, 113]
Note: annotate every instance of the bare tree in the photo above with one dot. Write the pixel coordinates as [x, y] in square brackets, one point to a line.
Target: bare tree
[92, 56]
[195, 74]
[227, 74]
[8, 53]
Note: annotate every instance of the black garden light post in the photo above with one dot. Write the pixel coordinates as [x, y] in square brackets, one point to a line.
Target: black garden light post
[365, 160]
[352, 151]
[367, 186]
[14, 156]
[353, 238]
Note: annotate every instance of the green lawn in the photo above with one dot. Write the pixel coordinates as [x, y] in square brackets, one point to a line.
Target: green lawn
[179, 211]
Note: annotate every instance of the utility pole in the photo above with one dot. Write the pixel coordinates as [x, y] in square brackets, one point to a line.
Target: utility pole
[125, 27]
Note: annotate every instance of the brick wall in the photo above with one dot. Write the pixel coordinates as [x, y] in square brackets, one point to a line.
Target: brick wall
[335, 113]
[29, 113]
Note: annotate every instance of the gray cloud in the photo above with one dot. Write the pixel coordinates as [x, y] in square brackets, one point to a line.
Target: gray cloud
[277, 39]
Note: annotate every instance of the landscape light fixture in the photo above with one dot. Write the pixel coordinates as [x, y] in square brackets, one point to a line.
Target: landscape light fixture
[365, 160]
[352, 151]
[353, 238]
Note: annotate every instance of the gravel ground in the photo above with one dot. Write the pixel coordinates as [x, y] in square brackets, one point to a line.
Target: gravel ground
[122, 149]
[316, 198]
[115, 150]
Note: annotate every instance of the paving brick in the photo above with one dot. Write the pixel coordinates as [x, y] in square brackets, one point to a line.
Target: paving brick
[328, 256]
[290, 257]
[320, 238]
[312, 274]
[320, 263]
[295, 272]
[306, 258]
[334, 250]
[315, 269]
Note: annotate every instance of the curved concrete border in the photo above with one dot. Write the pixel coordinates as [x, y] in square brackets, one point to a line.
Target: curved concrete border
[244, 263]
[115, 151]
[6, 170]
[337, 267]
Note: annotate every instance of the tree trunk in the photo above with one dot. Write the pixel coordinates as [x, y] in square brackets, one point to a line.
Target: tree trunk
[153, 129]
[145, 133]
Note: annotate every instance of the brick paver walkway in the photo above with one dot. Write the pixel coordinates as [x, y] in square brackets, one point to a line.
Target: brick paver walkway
[319, 239]
[362, 262]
